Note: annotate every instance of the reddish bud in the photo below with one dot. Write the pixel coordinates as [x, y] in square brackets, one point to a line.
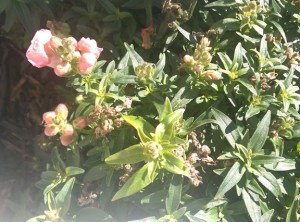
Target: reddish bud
[80, 122]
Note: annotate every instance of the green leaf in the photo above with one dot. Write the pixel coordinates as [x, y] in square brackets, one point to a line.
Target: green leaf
[132, 154]
[221, 3]
[173, 164]
[185, 33]
[136, 59]
[227, 127]
[238, 55]
[58, 163]
[259, 137]
[96, 173]
[267, 216]
[92, 214]
[174, 194]
[280, 30]
[63, 198]
[167, 109]
[292, 214]
[234, 175]
[142, 126]
[160, 66]
[269, 181]
[245, 82]
[71, 171]
[284, 165]
[136, 182]
[223, 25]
[179, 213]
[252, 205]
[259, 159]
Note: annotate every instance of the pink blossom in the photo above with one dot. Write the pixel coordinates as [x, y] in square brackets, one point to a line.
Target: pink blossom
[67, 130]
[87, 45]
[66, 140]
[61, 111]
[49, 117]
[86, 63]
[51, 130]
[36, 53]
[62, 69]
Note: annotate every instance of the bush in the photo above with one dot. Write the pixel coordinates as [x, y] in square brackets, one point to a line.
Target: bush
[195, 118]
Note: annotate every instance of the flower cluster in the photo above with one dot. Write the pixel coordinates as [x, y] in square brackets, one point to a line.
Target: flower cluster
[64, 55]
[200, 59]
[56, 122]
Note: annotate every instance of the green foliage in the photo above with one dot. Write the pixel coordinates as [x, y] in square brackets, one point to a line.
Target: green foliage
[212, 133]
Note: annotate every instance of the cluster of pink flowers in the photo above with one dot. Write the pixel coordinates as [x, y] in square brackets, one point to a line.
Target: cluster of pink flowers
[56, 122]
[64, 55]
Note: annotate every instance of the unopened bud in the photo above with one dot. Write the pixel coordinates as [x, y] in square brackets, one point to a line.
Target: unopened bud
[62, 69]
[212, 74]
[198, 68]
[80, 122]
[188, 59]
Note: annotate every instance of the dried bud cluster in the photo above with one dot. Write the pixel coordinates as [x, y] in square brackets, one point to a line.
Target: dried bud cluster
[107, 119]
[194, 175]
[265, 80]
[174, 11]
[128, 169]
[292, 56]
[87, 196]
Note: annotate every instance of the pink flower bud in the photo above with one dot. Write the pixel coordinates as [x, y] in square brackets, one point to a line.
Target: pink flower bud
[87, 45]
[67, 130]
[51, 130]
[36, 53]
[61, 111]
[146, 36]
[62, 69]
[86, 63]
[66, 140]
[198, 68]
[80, 122]
[49, 117]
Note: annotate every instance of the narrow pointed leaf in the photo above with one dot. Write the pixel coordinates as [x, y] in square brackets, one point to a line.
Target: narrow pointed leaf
[266, 159]
[252, 205]
[267, 216]
[268, 180]
[63, 198]
[136, 59]
[142, 126]
[136, 182]
[259, 137]
[174, 194]
[132, 154]
[167, 109]
[227, 126]
[234, 175]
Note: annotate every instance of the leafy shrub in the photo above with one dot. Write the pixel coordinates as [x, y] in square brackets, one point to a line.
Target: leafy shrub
[196, 120]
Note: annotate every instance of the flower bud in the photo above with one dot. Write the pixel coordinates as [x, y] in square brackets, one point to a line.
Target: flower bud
[62, 69]
[188, 59]
[61, 111]
[80, 122]
[51, 130]
[86, 63]
[198, 68]
[49, 117]
[66, 140]
[71, 43]
[67, 130]
[212, 74]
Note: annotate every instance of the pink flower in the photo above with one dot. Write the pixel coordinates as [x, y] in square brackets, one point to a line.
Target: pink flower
[51, 130]
[36, 53]
[48, 117]
[62, 69]
[61, 111]
[67, 130]
[146, 33]
[86, 63]
[66, 140]
[87, 45]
